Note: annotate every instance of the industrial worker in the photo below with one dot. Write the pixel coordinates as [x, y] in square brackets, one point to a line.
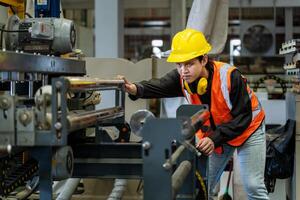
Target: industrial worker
[237, 119]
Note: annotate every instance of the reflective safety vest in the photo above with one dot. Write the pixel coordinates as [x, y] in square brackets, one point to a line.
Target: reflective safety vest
[221, 105]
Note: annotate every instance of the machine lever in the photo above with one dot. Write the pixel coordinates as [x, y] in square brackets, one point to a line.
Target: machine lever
[191, 148]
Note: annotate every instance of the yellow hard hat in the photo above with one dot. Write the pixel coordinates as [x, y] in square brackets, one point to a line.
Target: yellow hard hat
[188, 44]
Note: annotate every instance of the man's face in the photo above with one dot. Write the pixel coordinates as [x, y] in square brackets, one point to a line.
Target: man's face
[192, 69]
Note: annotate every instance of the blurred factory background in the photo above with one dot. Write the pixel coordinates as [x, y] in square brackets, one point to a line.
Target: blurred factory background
[82, 143]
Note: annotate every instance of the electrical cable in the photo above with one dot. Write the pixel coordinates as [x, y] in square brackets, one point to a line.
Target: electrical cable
[15, 31]
[202, 184]
[31, 190]
[12, 10]
[28, 15]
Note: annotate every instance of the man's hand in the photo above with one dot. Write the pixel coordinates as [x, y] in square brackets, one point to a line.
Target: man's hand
[129, 87]
[206, 145]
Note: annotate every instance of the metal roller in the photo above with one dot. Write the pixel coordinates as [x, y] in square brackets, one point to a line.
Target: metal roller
[62, 163]
[173, 159]
[82, 120]
[81, 83]
[180, 175]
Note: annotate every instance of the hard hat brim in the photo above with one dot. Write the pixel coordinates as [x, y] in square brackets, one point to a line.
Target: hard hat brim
[178, 57]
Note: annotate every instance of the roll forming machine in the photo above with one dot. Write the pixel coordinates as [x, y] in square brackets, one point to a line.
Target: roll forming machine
[48, 107]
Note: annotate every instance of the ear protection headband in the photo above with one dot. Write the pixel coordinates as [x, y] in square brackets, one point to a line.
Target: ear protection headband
[201, 86]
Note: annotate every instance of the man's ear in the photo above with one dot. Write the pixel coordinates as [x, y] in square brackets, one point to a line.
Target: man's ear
[204, 60]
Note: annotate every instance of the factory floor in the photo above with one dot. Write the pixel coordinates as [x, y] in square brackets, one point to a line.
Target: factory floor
[100, 189]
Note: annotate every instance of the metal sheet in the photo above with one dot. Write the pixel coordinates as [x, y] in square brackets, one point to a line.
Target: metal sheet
[157, 133]
[25, 62]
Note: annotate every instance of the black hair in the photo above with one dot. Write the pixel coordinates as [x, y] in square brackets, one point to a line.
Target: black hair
[210, 63]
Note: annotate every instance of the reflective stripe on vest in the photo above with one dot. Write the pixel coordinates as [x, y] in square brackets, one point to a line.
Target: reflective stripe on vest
[224, 84]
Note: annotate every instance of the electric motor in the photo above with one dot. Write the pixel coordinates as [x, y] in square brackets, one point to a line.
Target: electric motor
[40, 35]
